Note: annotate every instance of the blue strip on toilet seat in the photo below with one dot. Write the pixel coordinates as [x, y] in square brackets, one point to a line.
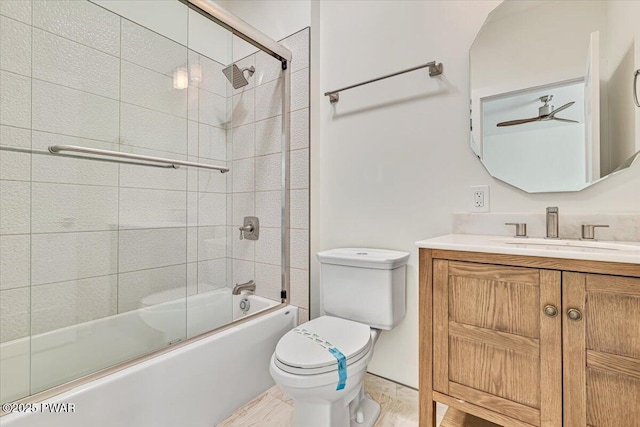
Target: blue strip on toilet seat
[342, 367]
[342, 360]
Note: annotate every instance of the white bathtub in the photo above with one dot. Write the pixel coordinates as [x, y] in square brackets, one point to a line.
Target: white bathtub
[198, 384]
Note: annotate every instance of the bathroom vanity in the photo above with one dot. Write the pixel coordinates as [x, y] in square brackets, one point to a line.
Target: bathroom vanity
[528, 332]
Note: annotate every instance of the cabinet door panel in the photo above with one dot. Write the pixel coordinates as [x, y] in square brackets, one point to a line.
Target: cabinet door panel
[612, 399]
[602, 351]
[502, 306]
[494, 370]
[493, 346]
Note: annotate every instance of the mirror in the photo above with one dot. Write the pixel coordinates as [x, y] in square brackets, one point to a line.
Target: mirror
[552, 92]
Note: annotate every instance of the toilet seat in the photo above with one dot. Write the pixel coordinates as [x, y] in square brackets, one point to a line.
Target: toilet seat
[305, 349]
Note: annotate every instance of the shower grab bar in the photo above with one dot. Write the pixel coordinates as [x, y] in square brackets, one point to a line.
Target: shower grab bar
[58, 149]
[435, 69]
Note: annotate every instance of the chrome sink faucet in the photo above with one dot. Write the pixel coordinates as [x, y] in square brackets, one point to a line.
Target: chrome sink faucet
[553, 222]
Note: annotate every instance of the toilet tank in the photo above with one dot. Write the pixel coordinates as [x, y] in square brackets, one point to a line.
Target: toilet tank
[364, 285]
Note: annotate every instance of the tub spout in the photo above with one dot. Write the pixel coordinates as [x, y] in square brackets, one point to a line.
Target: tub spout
[250, 286]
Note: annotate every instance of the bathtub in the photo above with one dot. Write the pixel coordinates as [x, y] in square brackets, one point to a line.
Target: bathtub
[196, 384]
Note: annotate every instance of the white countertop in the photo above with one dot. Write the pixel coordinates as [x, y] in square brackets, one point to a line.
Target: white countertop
[626, 252]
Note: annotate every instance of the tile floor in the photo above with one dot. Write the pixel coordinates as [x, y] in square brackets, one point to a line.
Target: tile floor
[274, 409]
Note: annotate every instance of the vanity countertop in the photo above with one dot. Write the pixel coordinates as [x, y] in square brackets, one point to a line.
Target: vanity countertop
[624, 252]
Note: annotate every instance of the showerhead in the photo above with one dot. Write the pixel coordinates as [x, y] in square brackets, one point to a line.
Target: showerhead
[236, 76]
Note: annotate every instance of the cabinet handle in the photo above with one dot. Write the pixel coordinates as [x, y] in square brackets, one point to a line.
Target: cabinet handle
[574, 314]
[550, 310]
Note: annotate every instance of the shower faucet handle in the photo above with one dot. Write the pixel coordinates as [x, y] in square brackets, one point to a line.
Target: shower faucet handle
[250, 230]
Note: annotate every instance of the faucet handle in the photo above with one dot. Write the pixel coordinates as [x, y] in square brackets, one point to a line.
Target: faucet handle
[589, 231]
[521, 228]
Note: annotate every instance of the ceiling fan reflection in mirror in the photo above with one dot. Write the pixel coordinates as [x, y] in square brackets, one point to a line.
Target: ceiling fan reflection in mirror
[545, 113]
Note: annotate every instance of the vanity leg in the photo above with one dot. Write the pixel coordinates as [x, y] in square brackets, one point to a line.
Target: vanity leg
[427, 405]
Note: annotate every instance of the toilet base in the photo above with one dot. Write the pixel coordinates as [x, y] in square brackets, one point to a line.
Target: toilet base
[371, 410]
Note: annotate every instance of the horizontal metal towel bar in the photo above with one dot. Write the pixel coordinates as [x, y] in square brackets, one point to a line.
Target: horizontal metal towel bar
[435, 69]
[58, 149]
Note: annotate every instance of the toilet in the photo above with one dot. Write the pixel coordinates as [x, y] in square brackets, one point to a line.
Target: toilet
[321, 363]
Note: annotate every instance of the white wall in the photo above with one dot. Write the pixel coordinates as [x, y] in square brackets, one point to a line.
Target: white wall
[394, 160]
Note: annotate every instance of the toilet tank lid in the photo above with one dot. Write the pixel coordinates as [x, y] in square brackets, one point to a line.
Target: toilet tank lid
[383, 259]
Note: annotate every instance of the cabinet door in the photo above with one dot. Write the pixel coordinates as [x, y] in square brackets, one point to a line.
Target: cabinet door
[601, 350]
[494, 346]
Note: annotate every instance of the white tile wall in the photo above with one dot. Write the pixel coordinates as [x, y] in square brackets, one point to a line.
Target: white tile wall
[268, 280]
[151, 248]
[212, 242]
[212, 274]
[192, 244]
[75, 113]
[300, 90]
[15, 100]
[15, 205]
[212, 181]
[69, 256]
[57, 305]
[243, 108]
[63, 208]
[165, 284]
[159, 178]
[15, 46]
[69, 170]
[13, 165]
[268, 247]
[151, 50]
[298, 44]
[212, 209]
[81, 21]
[267, 68]
[244, 177]
[142, 208]
[212, 109]
[14, 262]
[299, 169]
[300, 129]
[146, 88]
[213, 80]
[67, 63]
[269, 99]
[16, 9]
[270, 136]
[300, 287]
[243, 205]
[299, 244]
[243, 141]
[15, 306]
[268, 172]
[212, 142]
[268, 208]
[299, 209]
[142, 127]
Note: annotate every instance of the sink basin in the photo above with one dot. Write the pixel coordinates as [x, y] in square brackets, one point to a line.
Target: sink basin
[567, 244]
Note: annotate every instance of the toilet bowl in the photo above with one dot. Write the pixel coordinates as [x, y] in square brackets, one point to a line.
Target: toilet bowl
[321, 363]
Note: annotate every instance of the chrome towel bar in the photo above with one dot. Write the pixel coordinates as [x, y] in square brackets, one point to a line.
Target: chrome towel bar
[58, 149]
[435, 69]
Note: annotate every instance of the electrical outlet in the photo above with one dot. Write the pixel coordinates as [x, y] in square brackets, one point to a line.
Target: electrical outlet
[480, 198]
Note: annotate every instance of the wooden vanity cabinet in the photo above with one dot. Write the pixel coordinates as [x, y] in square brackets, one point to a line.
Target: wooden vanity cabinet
[523, 341]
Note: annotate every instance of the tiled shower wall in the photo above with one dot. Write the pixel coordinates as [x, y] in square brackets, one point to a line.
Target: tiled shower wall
[256, 159]
[81, 239]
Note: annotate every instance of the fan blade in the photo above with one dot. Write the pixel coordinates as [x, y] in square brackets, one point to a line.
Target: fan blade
[519, 122]
[557, 110]
[565, 120]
